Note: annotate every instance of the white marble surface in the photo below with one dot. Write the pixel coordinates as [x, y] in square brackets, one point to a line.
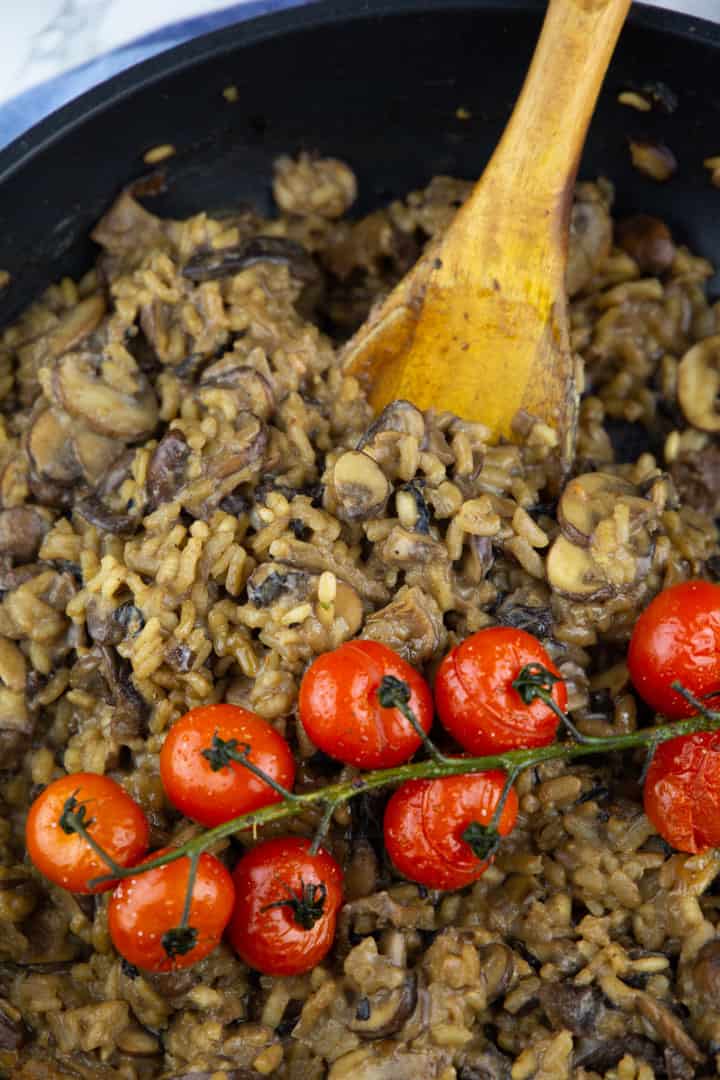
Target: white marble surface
[40, 39]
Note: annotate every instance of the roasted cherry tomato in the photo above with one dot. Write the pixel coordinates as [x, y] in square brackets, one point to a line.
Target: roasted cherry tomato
[677, 638]
[425, 821]
[200, 772]
[340, 705]
[682, 791]
[145, 913]
[287, 905]
[111, 817]
[477, 702]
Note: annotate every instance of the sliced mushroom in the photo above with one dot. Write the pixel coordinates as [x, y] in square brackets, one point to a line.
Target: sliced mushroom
[589, 499]
[105, 409]
[348, 607]
[270, 582]
[536, 620]
[250, 388]
[50, 449]
[108, 624]
[576, 1008]
[95, 454]
[360, 487]
[93, 510]
[399, 416]
[21, 532]
[384, 1013]
[129, 707]
[599, 1054]
[706, 971]
[571, 570]
[648, 241]
[411, 624]
[487, 1063]
[590, 236]
[211, 265]
[698, 384]
[166, 470]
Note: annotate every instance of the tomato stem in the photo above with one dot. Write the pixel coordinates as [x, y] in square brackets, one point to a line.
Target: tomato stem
[696, 703]
[182, 939]
[486, 839]
[511, 761]
[394, 693]
[322, 829]
[535, 682]
[222, 752]
[73, 820]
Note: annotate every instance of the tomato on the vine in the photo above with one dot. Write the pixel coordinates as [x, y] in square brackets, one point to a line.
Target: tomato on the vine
[109, 815]
[201, 772]
[145, 913]
[287, 904]
[340, 705]
[682, 791]
[434, 829]
[677, 638]
[476, 699]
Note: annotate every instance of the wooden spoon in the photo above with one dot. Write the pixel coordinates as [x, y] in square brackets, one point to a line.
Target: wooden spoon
[479, 325]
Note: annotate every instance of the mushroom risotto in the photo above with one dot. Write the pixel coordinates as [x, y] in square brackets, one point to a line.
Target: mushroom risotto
[196, 503]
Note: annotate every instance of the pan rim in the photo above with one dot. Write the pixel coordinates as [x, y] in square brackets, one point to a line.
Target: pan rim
[318, 13]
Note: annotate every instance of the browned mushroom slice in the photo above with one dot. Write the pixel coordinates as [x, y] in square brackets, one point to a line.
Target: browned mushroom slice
[94, 511]
[50, 449]
[166, 471]
[13, 1033]
[360, 487]
[211, 265]
[244, 449]
[698, 384]
[571, 570]
[589, 499]
[590, 237]
[399, 416]
[384, 1013]
[251, 389]
[648, 241]
[79, 385]
[95, 453]
[21, 532]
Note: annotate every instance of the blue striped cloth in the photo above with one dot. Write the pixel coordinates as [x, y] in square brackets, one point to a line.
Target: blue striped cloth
[21, 112]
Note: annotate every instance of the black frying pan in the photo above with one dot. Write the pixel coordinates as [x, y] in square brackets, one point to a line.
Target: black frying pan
[375, 82]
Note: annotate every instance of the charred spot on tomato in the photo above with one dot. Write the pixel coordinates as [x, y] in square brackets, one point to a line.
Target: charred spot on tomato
[307, 904]
[179, 941]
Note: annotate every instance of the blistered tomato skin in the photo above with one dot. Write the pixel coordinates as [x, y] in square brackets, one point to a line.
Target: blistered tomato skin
[477, 702]
[113, 819]
[341, 713]
[143, 908]
[266, 929]
[213, 796]
[677, 638]
[425, 820]
[682, 791]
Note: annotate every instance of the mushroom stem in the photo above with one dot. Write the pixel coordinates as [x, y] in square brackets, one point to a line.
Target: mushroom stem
[431, 769]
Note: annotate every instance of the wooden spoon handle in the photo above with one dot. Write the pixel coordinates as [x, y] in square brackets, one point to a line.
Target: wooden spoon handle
[545, 136]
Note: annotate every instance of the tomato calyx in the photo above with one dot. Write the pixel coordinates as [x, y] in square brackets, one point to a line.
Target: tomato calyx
[307, 904]
[222, 753]
[179, 941]
[394, 693]
[535, 682]
[484, 840]
[73, 820]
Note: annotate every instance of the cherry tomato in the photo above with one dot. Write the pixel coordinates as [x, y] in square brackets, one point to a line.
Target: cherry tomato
[682, 791]
[287, 905]
[341, 711]
[145, 909]
[112, 818]
[425, 821]
[215, 789]
[477, 702]
[677, 637]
